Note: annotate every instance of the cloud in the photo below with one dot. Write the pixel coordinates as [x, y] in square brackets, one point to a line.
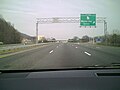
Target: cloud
[23, 12]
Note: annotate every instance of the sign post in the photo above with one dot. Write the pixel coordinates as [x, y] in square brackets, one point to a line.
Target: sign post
[37, 33]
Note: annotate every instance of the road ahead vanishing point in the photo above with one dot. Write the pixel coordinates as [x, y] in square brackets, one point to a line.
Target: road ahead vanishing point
[62, 55]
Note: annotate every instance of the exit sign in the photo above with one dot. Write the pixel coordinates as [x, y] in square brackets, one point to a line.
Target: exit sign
[88, 20]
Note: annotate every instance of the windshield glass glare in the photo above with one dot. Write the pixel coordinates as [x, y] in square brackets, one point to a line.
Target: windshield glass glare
[54, 34]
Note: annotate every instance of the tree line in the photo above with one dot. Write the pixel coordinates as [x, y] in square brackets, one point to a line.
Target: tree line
[109, 40]
[8, 34]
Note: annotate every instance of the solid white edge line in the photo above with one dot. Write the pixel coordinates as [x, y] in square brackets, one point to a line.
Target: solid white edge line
[51, 51]
[87, 53]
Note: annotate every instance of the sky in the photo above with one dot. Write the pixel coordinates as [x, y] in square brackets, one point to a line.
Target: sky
[23, 14]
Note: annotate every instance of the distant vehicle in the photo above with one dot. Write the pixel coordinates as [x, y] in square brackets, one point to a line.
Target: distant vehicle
[1, 43]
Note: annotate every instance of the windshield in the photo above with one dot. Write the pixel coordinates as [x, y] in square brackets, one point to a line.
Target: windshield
[54, 34]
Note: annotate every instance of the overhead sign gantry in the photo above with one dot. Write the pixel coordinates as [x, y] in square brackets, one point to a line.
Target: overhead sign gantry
[85, 20]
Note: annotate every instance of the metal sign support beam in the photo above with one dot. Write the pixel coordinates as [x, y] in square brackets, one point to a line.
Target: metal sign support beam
[105, 31]
[66, 20]
[37, 33]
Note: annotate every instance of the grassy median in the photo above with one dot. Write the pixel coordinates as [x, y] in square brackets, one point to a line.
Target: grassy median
[8, 51]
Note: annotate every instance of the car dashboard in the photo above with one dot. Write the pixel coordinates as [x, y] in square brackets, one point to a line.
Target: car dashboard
[93, 79]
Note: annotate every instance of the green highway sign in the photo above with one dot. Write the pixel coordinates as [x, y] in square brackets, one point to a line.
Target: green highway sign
[88, 20]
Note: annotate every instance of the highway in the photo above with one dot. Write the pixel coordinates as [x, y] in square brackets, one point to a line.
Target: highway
[62, 55]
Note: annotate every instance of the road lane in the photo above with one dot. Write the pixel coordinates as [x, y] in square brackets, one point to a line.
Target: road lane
[26, 59]
[65, 56]
[59, 55]
[103, 57]
[100, 48]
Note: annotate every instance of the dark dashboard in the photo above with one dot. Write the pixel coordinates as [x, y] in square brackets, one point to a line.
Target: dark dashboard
[98, 79]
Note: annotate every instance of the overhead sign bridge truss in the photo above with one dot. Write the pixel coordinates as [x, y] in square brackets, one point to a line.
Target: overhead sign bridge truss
[67, 20]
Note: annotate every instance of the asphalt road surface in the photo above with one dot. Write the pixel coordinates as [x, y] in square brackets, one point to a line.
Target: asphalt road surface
[62, 55]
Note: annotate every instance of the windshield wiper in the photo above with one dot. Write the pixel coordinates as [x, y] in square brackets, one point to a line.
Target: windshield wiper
[115, 64]
[112, 65]
[60, 69]
[90, 67]
[95, 66]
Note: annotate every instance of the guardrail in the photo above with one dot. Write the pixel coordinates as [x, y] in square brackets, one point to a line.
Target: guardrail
[11, 49]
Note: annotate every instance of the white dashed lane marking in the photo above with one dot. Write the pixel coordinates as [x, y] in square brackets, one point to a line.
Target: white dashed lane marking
[87, 53]
[76, 47]
[51, 51]
[97, 47]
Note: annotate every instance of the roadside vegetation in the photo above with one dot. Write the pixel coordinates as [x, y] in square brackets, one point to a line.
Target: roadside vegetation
[8, 34]
[108, 40]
